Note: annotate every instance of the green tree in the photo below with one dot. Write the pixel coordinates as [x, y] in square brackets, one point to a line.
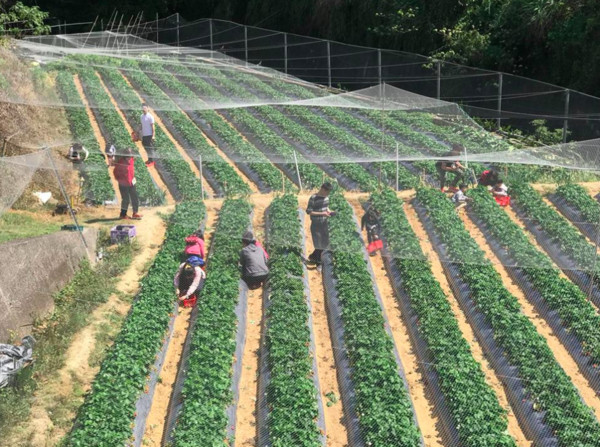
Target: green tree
[19, 20]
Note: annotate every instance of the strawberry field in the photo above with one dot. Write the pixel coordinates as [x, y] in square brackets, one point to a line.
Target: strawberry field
[476, 328]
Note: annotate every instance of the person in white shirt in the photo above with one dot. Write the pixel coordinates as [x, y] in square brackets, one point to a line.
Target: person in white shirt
[147, 133]
[459, 198]
[500, 193]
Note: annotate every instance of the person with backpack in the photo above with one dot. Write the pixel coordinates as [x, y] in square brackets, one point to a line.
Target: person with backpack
[188, 279]
[253, 262]
[445, 166]
[125, 175]
[319, 212]
[194, 244]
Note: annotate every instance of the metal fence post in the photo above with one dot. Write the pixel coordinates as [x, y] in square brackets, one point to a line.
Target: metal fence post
[210, 31]
[329, 62]
[177, 30]
[285, 53]
[566, 119]
[157, 30]
[499, 119]
[246, 44]
[439, 80]
[379, 71]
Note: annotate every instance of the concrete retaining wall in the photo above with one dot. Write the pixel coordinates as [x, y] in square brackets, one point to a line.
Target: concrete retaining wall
[32, 270]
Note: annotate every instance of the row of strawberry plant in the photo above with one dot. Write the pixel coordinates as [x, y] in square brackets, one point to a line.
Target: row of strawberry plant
[556, 227]
[551, 390]
[314, 122]
[291, 394]
[97, 181]
[476, 413]
[575, 311]
[186, 181]
[227, 177]
[208, 380]
[116, 132]
[382, 402]
[247, 153]
[578, 198]
[109, 410]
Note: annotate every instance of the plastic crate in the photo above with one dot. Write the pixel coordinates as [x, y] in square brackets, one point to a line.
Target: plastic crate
[190, 302]
[122, 233]
[72, 228]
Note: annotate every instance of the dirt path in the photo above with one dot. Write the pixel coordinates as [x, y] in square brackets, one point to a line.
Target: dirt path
[246, 434]
[152, 170]
[427, 417]
[155, 423]
[64, 391]
[192, 163]
[561, 354]
[467, 331]
[97, 133]
[335, 430]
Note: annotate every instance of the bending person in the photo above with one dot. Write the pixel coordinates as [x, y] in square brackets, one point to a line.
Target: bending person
[188, 278]
[253, 262]
[454, 167]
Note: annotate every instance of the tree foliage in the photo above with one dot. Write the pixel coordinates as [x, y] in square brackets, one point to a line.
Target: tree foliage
[19, 19]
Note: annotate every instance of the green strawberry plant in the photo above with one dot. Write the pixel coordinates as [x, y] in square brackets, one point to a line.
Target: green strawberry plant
[577, 197]
[97, 178]
[291, 394]
[208, 380]
[382, 402]
[542, 377]
[106, 417]
[477, 415]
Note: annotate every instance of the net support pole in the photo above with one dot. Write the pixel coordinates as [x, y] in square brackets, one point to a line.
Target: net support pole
[379, 71]
[329, 63]
[397, 166]
[68, 201]
[566, 120]
[201, 176]
[177, 30]
[499, 107]
[285, 53]
[156, 31]
[438, 85]
[246, 44]
[210, 33]
[297, 170]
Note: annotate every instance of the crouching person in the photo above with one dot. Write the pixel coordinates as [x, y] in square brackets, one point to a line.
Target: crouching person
[253, 262]
[188, 279]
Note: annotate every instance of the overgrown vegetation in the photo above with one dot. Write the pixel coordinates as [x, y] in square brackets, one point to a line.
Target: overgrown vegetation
[20, 226]
[90, 287]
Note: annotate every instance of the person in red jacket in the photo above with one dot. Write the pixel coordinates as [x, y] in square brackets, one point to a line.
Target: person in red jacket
[194, 245]
[125, 176]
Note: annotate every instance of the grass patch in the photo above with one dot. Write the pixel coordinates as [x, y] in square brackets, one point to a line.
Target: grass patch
[21, 226]
[73, 306]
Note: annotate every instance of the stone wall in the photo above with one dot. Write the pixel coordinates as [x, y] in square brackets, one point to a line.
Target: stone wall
[32, 270]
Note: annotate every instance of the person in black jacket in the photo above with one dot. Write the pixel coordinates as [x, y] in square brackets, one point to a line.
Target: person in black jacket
[319, 212]
[445, 166]
[370, 221]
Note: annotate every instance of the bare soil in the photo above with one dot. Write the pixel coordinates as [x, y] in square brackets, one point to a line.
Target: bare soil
[246, 434]
[335, 429]
[155, 423]
[467, 331]
[560, 352]
[64, 391]
[152, 170]
[422, 401]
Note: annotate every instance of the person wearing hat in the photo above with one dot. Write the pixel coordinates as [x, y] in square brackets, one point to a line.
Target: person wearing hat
[124, 173]
[253, 262]
[188, 277]
[319, 212]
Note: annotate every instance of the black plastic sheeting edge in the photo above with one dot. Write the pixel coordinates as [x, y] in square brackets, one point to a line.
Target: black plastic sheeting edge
[587, 228]
[161, 166]
[531, 421]
[313, 349]
[340, 354]
[581, 278]
[569, 340]
[388, 329]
